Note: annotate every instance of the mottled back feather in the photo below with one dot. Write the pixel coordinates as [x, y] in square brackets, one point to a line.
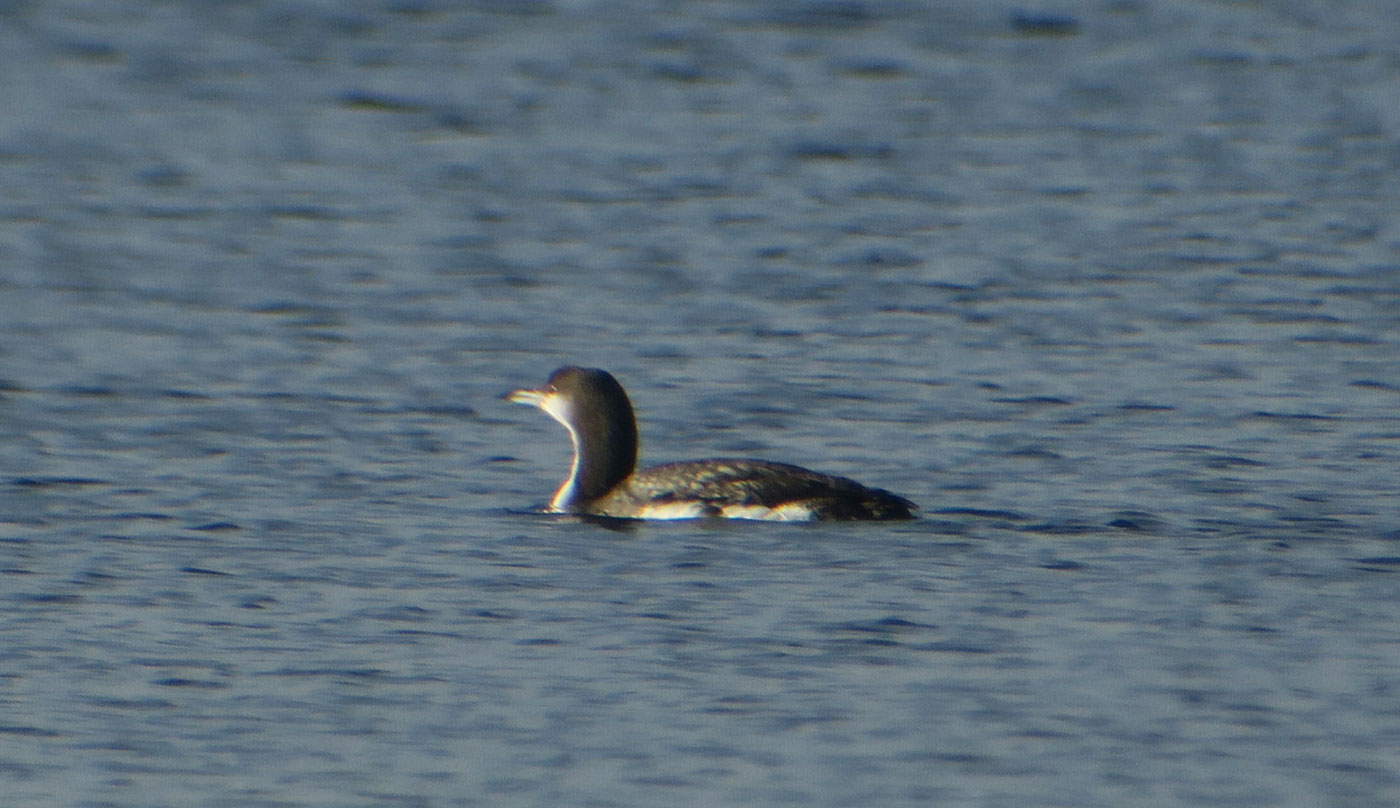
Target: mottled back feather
[725, 481]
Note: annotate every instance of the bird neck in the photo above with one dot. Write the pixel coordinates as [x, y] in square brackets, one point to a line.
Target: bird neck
[605, 454]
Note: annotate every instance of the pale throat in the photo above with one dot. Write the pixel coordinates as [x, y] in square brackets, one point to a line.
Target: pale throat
[560, 411]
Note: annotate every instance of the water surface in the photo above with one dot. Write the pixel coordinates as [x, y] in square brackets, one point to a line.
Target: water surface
[1109, 290]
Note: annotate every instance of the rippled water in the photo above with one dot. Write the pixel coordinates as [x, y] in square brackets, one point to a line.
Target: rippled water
[1109, 289]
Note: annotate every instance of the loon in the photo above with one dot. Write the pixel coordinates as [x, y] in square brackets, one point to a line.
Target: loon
[603, 480]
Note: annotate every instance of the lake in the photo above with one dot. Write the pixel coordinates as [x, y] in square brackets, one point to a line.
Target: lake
[1109, 288]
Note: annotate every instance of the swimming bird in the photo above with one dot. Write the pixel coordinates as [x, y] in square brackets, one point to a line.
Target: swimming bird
[604, 481]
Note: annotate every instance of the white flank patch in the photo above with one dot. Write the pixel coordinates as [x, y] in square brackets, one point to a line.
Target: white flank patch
[673, 510]
[787, 512]
[790, 512]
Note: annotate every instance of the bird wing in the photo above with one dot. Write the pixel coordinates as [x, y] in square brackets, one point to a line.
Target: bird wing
[741, 482]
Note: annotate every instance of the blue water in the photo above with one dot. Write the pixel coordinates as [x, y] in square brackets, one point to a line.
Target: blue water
[1110, 288]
